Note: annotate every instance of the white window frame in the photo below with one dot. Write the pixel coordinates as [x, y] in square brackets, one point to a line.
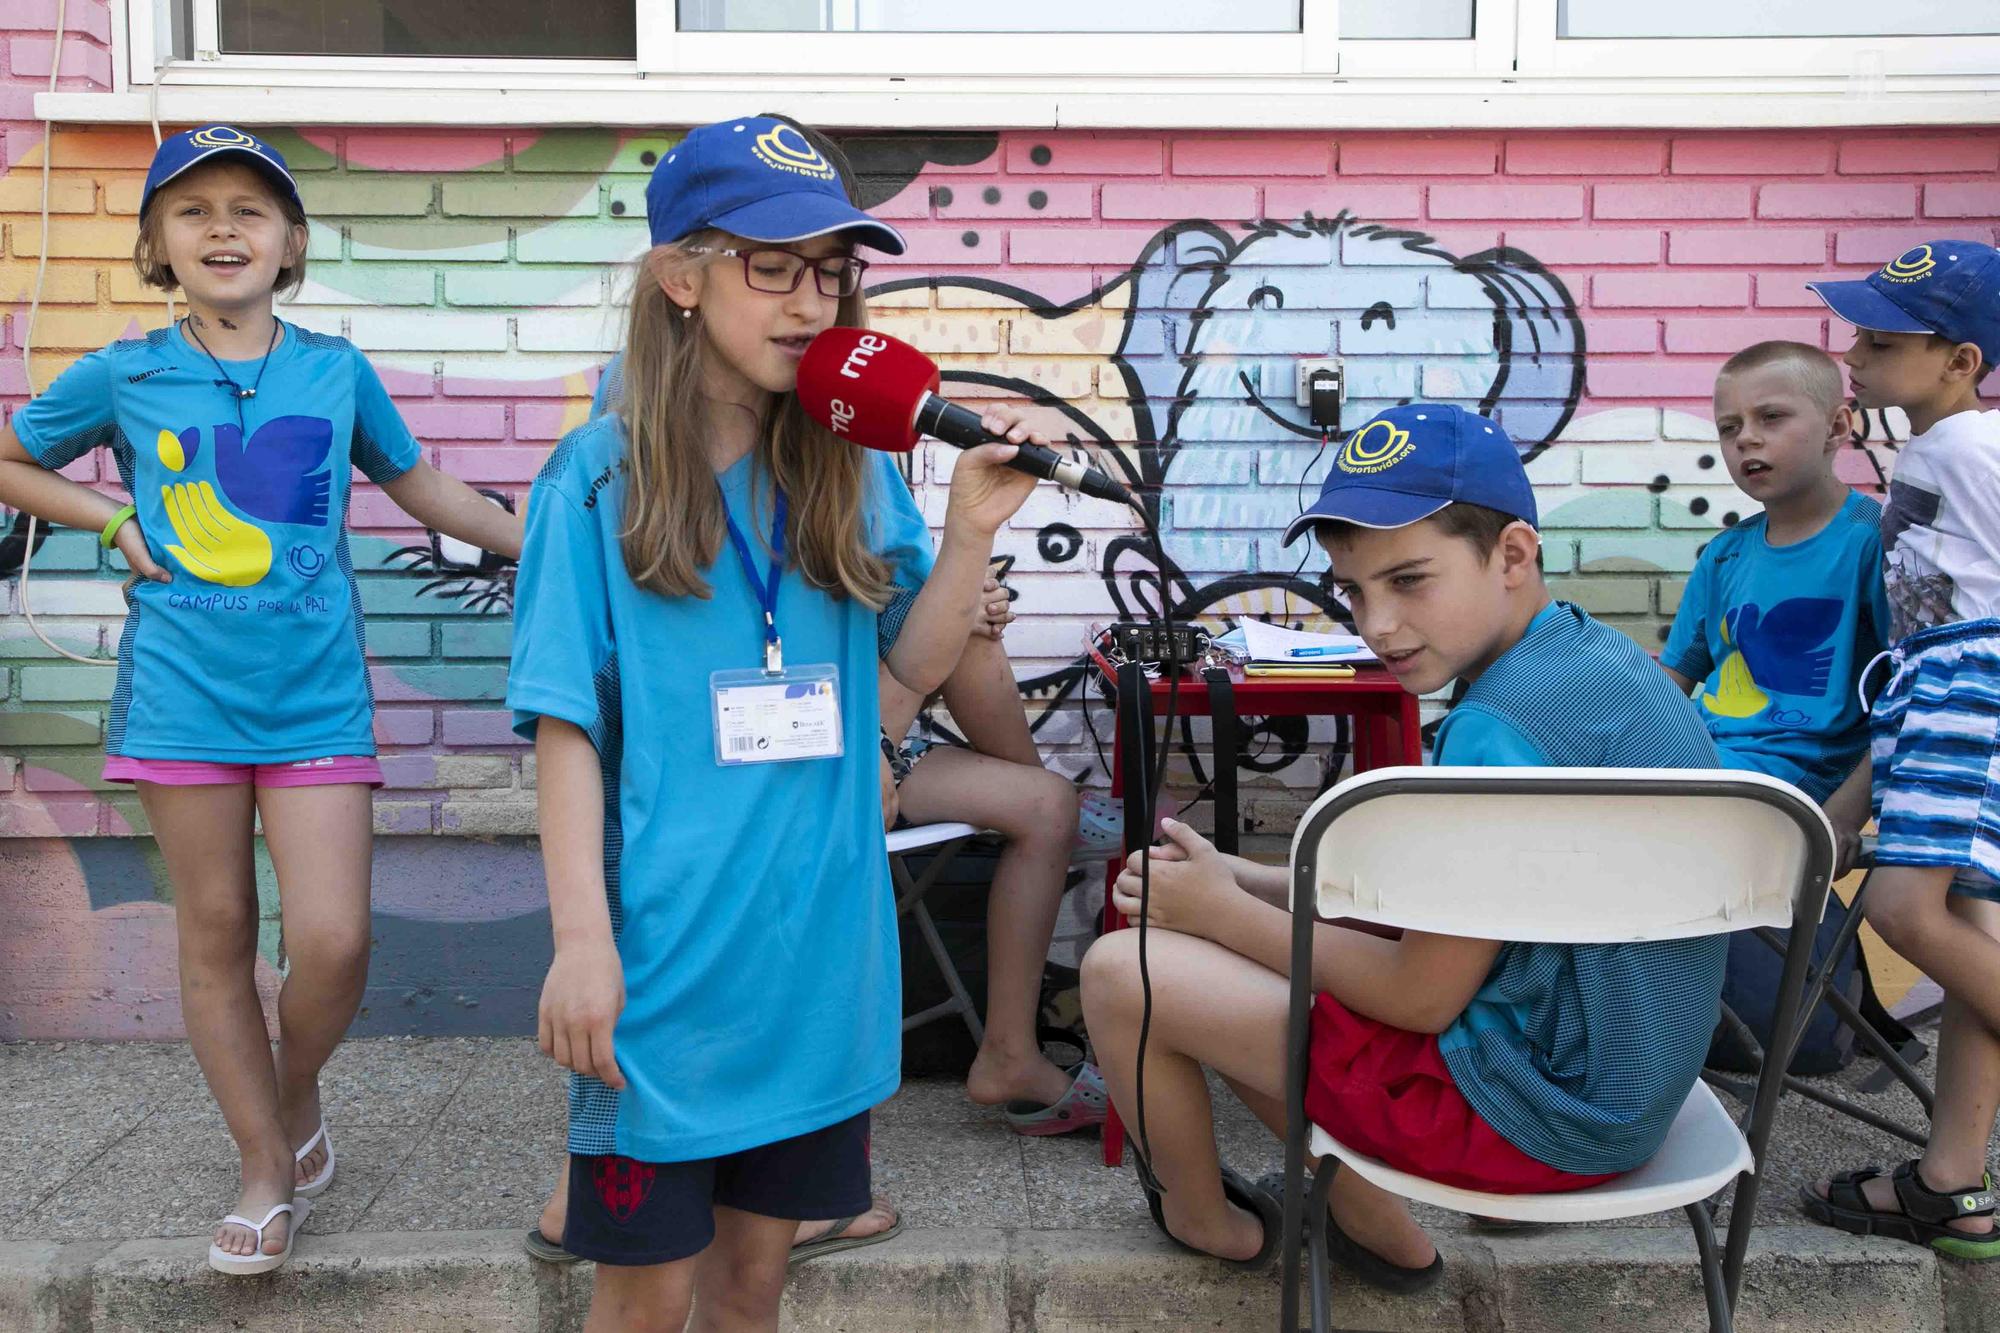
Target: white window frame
[1513, 73]
[1864, 59]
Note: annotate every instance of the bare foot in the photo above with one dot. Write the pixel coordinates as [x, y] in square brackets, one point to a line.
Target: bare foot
[1880, 1194]
[262, 1190]
[1237, 1234]
[997, 1077]
[555, 1212]
[1379, 1222]
[880, 1216]
[300, 1115]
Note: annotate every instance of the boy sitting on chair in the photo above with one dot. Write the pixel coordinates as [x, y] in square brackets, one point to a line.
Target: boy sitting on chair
[1785, 608]
[1520, 1068]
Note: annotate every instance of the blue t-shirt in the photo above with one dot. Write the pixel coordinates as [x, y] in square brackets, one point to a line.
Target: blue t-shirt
[1580, 1055]
[1778, 636]
[751, 903]
[253, 654]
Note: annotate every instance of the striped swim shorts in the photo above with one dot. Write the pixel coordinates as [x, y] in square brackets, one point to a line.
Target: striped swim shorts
[1934, 741]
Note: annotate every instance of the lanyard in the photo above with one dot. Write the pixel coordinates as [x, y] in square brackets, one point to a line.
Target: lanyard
[766, 588]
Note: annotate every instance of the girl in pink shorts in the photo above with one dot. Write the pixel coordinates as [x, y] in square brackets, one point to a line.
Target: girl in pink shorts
[242, 687]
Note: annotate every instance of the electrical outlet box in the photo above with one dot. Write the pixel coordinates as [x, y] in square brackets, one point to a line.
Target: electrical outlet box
[1305, 367]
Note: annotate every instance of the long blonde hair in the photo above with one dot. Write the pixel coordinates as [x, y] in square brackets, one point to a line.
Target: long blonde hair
[673, 520]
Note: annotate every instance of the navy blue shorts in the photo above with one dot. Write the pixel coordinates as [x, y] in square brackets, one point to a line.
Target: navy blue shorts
[637, 1213]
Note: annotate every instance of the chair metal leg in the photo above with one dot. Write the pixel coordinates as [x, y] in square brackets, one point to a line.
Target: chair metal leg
[1857, 1111]
[1319, 1265]
[910, 901]
[960, 997]
[1819, 987]
[1720, 1318]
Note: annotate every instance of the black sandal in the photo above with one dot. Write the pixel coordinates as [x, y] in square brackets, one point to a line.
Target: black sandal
[1249, 1197]
[1925, 1216]
[548, 1251]
[1357, 1258]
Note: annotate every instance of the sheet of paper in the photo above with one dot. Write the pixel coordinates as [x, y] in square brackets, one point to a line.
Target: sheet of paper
[1272, 643]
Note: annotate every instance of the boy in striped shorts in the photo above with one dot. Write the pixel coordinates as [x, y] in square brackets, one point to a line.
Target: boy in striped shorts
[1927, 330]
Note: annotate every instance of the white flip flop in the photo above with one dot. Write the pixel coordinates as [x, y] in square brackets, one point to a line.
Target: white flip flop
[317, 1185]
[244, 1265]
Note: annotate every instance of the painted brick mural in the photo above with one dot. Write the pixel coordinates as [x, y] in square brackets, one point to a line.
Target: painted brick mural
[1150, 292]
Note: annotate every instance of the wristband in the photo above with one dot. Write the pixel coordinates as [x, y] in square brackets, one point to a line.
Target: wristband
[117, 522]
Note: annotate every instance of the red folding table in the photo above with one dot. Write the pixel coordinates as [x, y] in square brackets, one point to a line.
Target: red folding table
[1385, 733]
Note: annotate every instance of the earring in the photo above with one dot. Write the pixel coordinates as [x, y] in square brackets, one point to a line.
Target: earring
[687, 312]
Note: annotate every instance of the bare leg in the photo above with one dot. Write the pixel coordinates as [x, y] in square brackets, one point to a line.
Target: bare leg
[204, 834]
[1968, 1089]
[1909, 908]
[1036, 810]
[986, 704]
[740, 1277]
[321, 841]
[653, 1299]
[1216, 1008]
[555, 1209]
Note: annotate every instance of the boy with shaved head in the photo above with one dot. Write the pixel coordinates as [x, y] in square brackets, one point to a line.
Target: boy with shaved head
[1785, 609]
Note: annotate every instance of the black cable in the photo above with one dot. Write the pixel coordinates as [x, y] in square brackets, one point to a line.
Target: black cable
[1299, 497]
[1148, 798]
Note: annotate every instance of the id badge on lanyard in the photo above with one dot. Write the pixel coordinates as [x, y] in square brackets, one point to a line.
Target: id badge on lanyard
[777, 713]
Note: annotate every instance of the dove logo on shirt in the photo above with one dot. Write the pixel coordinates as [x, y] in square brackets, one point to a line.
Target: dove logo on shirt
[1785, 650]
[279, 475]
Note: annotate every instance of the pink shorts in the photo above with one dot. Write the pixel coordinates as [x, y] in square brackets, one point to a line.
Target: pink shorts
[200, 773]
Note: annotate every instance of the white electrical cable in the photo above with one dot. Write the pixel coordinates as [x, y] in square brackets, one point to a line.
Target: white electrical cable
[35, 305]
[28, 335]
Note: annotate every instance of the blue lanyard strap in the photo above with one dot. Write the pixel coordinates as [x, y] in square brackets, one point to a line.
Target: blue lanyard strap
[766, 588]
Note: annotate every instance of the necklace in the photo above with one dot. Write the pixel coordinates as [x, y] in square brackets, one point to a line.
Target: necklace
[236, 391]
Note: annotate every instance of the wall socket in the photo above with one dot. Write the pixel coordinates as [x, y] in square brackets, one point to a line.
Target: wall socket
[1302, 391]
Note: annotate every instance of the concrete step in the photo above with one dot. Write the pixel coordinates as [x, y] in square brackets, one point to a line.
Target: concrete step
[980, 1280]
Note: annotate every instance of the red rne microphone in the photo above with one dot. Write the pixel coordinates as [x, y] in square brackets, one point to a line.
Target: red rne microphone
[881, 393]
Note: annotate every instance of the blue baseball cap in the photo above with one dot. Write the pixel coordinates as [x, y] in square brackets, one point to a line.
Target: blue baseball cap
[1411, 461]
[759, 178]
[193, 147]
[1950, 288]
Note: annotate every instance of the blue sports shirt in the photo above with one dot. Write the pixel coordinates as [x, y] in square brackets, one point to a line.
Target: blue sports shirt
[1581, 1054]
[1778, 636]
[751, 903]
[254, 652]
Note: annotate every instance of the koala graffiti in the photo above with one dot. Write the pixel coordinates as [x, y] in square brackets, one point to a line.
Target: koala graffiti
[1194, 398]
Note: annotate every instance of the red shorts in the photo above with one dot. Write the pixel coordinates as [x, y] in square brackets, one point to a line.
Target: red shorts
[201, 773]
[1388, 1094]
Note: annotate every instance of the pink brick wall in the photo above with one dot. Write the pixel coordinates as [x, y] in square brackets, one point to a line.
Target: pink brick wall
[1129, 279]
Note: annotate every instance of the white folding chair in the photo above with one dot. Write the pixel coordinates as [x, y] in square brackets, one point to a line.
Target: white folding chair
[1564, 855]
[946, 839]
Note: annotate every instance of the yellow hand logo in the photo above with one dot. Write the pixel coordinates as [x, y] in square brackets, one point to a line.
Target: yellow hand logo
[1736, 693]
[216, 546]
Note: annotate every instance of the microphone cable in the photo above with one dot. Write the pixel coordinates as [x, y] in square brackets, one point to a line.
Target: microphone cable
[1149, 800]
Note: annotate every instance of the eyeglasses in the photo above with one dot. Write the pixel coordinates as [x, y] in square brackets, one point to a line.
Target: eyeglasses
[779, 272]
